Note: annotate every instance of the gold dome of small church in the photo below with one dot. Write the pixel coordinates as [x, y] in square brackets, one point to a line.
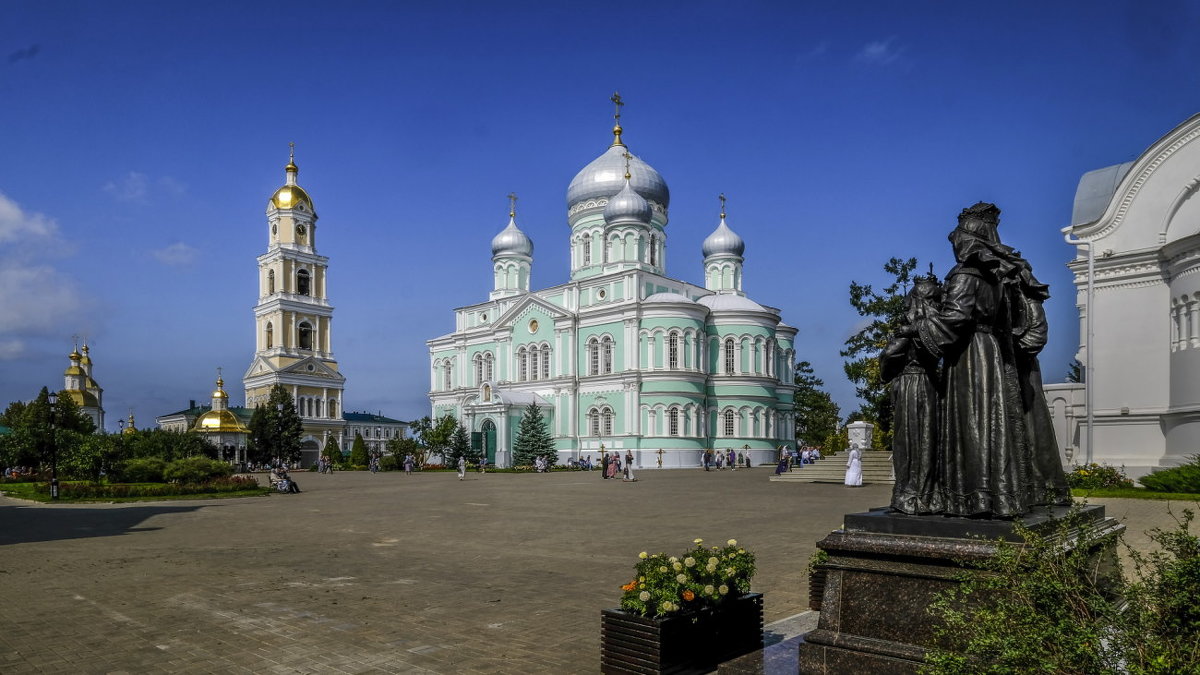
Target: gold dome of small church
[291, 195]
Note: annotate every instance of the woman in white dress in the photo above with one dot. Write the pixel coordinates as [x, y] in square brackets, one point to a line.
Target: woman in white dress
[854, 468]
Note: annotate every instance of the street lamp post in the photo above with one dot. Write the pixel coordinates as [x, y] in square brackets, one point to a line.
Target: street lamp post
[53, 400]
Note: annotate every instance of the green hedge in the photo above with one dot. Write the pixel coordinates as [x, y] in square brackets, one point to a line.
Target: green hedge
[1184, 478]
[196, 470]
[1097, 476]
[149, 470]
[121, 490]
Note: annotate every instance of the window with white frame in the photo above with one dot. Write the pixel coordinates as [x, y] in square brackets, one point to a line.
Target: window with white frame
[607, 345]
[587, 250]
[673, 350]
[593, 357]
[673, 421]
[608, 421]
[729, 356]
[545, 362]
[594, 422]
[729, 423]
[448, 376]
[478, 368]
[487, 366]
[522, 364]
[533, 362]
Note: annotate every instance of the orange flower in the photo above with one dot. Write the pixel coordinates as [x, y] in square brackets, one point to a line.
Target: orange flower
[689, 596]
[629, 586]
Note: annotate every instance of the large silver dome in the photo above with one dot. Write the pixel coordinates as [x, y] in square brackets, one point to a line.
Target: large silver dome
[512, 241]
[605, 176]
[723, 241]
[627, 206]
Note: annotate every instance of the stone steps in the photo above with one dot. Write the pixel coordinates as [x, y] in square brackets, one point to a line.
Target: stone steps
[876, 467]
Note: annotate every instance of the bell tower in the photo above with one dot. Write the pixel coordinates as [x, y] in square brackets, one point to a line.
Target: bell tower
[293, 318]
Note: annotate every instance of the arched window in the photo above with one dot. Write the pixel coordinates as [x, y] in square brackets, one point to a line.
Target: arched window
[319, 406]
[729, 356]
[587, 250]
[533, 363]
[673, 421]
[270, 335]
[487, 366]
[305, 335]
[608, 354]
[673, 350]
[302, 282]
[593, 357]
[594, 422]
[333, 407]
[546, 362]
[270, 281]
[478, 368]
[654, 249]
[729, 422]
[448, 376]
[608, 421]
[522, 364]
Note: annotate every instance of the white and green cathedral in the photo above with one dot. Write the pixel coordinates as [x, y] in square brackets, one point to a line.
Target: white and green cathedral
[621, 357]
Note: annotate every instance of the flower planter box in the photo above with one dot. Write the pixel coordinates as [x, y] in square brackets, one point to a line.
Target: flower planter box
[693, 642]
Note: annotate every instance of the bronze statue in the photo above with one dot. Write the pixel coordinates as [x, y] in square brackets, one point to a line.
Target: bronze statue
[996, 455]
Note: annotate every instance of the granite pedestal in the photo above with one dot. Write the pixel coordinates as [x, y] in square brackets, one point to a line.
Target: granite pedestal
[884, 570]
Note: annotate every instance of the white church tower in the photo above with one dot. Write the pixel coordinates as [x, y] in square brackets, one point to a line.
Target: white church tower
[512, 257]
[723, 250]
[293, 319]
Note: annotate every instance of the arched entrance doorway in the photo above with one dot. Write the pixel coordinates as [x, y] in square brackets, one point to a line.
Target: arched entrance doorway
[489, 441]
[310, 450]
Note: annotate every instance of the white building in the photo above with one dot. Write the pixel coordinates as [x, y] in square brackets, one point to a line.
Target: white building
[1143, 222]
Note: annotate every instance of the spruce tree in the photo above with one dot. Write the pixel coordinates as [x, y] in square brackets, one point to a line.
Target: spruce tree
[459, 445]
[358, 452]
[533, 439]
[333, 452]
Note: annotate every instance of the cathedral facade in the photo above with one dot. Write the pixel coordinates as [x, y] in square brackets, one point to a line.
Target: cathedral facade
[620, 357]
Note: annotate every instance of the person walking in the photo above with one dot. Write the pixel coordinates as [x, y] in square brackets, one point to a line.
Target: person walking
[462, 467]
[483, 464]
[409, 460]
[629, 466]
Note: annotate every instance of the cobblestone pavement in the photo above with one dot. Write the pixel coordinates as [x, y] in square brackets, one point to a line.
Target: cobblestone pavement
[362, 573]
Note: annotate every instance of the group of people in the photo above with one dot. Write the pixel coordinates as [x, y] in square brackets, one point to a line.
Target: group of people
[18, 471]
[717, 459]
[612, 467]
[282, 481]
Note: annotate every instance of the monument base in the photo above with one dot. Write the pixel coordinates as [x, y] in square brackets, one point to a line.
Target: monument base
[884, 570]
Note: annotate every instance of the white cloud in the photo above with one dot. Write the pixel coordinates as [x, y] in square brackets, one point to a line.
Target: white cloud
[178, 253]
[879, 53]
[36, 299]
[131, 188]
[18, 226]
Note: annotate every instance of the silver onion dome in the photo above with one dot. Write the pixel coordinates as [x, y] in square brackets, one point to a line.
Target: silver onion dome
[723, 241]
[627, 205]
[605, 177]
[512, 241]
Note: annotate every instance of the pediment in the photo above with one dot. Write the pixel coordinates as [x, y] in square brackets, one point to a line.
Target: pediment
[312, 367]
[259, 366]
[514, 313]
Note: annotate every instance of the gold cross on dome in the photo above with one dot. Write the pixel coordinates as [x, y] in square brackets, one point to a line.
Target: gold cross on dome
[512, 205]
[616, 99]
[627, 157]
[292, 152]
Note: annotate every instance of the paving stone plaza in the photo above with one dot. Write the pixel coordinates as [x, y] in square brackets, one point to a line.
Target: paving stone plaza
[500, 573]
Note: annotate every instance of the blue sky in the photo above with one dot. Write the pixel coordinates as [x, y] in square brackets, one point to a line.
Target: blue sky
[139, 143]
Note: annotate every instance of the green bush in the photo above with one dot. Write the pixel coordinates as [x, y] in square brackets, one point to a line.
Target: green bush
[1098, 476]
[124, 490]
[1184, 478]
[196, 470]
[390, 463]
[1037, 608]
[148, 470]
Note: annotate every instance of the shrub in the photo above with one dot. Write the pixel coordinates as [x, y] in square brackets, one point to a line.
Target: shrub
[196, 470]
[1185, 478]
[148, 470]
[1098, 476]
[389, 463]
[123, 490]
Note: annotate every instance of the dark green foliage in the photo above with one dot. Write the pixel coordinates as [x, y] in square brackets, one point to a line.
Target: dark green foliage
[332, 452]
[1035, 608]
[863, 348]
[401, 447]
[358, 452]
[1075, 371]
[459, 445]
[147, 470]
[435, 435]
[33, 441]
[195, 470]
[390, 463]
[817, 416]
[165, 445]
[1098, 476]
[275, 429]
[533, 439]
[121, 490]
[1185, 478]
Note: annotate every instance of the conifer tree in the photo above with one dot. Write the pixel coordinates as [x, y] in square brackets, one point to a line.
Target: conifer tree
[358, 452]
[333, 452]
[459, 445]
[533, 439]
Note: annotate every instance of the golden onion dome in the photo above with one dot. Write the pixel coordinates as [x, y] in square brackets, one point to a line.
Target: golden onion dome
[85, 358]
[73, 370]
[129, 430]
[288, 196]
[219, 421]
[74, 355]
[83, 399]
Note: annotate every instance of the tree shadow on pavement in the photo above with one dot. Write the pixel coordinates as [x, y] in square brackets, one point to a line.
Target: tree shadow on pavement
[25, 524]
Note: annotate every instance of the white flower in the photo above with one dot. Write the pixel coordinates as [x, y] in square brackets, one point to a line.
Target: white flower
[697, 541]
[713, 561]
[663, 568]
[708, 590]
[681, 578]
[689, 561]
[673, 559]
[677, 566]
[643, 555]
[729, 571]
[644, 596]
[668, 606]
[731, 542]
[723, 589]
[711, 568]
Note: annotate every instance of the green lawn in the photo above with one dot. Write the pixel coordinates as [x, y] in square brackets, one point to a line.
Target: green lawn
[1134, 493]
[30, 492]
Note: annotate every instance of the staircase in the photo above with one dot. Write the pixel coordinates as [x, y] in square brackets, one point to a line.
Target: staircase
[876, 468]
